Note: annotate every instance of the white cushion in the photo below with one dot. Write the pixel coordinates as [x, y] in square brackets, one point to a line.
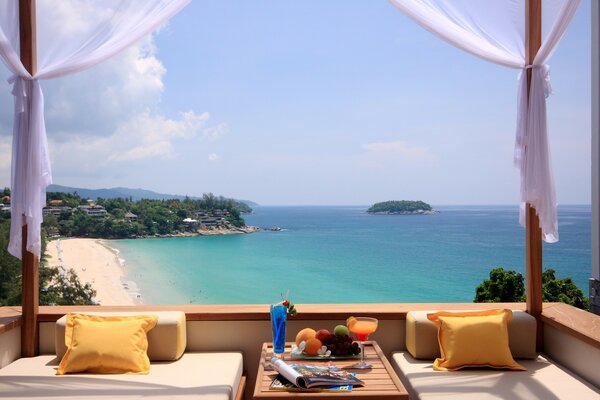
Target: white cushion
[205, 376]
[543, 380]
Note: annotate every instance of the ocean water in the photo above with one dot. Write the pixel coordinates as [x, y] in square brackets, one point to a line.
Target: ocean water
[344, 255]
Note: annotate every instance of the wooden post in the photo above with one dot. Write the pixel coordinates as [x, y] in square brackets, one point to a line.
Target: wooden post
[29, 263]
[533, 233]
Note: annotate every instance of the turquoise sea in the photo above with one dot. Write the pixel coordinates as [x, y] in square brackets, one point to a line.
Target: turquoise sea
[340, 254]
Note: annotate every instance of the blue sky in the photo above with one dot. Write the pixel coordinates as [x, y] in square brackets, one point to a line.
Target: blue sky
[312, 102]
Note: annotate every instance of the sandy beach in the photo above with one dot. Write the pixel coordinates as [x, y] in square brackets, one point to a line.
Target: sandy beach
[97, 264]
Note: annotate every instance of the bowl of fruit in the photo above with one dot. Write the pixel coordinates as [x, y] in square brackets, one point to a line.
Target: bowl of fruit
[319, 344]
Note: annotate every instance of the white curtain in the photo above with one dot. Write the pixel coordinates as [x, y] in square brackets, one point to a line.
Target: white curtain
[495, 31]
[122, 23]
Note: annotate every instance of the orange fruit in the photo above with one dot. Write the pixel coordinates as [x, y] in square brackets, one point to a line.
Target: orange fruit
[312, 346]
[304, 335]
[350, 322]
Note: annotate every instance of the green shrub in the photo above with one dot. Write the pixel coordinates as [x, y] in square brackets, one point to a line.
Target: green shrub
[509, 286]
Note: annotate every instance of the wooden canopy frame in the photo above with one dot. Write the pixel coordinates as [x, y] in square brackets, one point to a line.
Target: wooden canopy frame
[30, 300]
[30, 263]
[533, 232]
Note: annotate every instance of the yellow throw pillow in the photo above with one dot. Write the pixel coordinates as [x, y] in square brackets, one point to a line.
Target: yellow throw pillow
[106, 345]
[473, 339]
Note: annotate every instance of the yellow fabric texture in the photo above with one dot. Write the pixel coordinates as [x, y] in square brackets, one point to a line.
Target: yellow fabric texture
[106, 345]
[473, 339]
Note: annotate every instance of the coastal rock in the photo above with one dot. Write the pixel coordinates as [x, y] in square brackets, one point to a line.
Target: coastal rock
[232, 230]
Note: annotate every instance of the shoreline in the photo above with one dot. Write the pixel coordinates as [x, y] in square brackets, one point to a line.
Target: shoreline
[201, 232]
[98, 264]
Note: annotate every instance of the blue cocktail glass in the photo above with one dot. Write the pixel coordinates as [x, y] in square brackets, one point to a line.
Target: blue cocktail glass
[278, 322]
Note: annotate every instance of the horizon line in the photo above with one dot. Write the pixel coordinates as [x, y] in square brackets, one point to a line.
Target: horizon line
[438, 205]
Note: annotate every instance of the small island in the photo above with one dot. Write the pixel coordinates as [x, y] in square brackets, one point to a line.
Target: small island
[402, 207]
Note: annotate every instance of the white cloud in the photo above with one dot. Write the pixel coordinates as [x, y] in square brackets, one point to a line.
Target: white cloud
[379, 154]
[107, 117]
[98, 101]
[213, 157]
[147, 135]
[214, 133]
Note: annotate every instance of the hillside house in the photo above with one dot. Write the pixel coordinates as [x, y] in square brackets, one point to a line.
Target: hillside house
[93, 211]
[56, 211]
[131, 216]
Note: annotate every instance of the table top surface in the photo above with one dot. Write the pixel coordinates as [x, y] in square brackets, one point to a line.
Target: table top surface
[381, 381]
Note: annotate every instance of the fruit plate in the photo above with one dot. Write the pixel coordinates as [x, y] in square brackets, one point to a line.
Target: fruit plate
[307, 357]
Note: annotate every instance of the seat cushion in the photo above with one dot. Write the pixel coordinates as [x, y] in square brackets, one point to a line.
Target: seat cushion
[205, 376]
[422, 335]
[166, 341]
[107, 345]
[542, 380]
[473, 339]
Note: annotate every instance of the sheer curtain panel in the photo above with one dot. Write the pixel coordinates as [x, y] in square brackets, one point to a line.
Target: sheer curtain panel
[120, 24]
[495, 31]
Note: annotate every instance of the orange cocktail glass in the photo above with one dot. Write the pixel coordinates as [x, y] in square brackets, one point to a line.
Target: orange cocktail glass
[362, 327]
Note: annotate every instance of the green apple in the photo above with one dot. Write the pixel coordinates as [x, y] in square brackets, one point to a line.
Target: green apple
[341, 330]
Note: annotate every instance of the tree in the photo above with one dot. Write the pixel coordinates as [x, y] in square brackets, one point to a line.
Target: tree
[57, 288]
[503, 286]
[234, 217]
[509, 286]
[209, 200]
[83, 224]
[10, 268]
[65, 227]
[69, 199]
[153, 216]
[50, 221]
[402, 206]
[563, 290]
[118, 213]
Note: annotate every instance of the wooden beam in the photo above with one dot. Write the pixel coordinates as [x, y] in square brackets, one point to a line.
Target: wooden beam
[29, 262]
[27, 35]
[533, 235]
[30, 300]
[533, 255]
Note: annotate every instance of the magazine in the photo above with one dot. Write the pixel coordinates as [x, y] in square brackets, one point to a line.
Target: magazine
[307, 376]
[280, 383]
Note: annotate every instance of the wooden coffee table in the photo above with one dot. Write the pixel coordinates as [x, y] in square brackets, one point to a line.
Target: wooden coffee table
[381, 382]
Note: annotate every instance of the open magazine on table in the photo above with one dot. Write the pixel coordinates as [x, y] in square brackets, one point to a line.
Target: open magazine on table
[311, 376]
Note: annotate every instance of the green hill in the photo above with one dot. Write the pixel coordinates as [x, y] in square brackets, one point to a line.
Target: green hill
[135, 195]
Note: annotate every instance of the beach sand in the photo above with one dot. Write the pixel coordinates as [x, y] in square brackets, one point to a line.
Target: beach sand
[97, 264]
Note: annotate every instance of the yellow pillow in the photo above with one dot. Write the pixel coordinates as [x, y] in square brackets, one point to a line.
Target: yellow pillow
[108, 345]
[473, 339]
